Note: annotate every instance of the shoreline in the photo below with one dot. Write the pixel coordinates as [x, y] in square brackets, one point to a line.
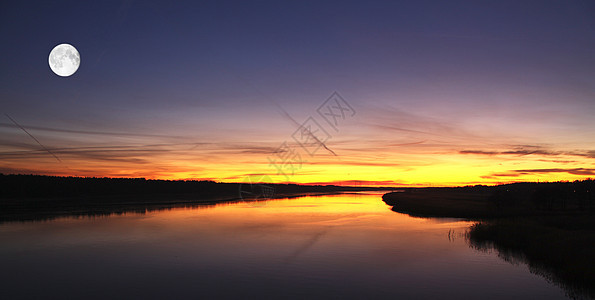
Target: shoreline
[40, 209]
[34, 197]
[439, 203]
[556, 241]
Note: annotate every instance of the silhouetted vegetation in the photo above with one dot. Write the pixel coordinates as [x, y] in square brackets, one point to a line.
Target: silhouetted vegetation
[36, 186]
[34, 197]
[550, 226]
[479, 202]
[559, 248]
[441, 202]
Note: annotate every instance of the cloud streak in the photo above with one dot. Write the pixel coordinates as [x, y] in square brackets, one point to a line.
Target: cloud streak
[535, 151]
[37, 141]
[87, 132]
[518, 173]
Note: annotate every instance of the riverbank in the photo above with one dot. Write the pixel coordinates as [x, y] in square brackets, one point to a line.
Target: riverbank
[32, 197]
[23, 210]
[437, 202]
[559, 248]
[549, 226]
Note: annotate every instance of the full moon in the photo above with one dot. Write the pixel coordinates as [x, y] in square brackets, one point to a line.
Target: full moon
[64, 60]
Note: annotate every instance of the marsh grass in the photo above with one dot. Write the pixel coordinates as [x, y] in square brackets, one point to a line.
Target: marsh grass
[548, 226]
[562, 254]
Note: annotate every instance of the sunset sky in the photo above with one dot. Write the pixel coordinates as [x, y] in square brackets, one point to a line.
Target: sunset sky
[434, 92]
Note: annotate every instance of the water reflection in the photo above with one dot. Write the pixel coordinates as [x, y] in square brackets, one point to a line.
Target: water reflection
[92, 210]
[574, 285]
[349, 246]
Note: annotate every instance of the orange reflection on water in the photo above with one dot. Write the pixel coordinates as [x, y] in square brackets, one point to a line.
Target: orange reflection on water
[329, 210]
[342, 221]
[348, 245]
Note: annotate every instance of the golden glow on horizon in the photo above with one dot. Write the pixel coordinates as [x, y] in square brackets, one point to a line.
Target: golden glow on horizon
[382, 158]
[396, 169]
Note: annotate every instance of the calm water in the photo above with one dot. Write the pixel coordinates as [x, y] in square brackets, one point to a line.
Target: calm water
[349, 246]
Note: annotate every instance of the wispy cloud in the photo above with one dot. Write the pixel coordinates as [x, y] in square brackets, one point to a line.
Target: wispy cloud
[479, 152]
[518, 173]
[574, 171]
[88, 132]
[36, 140]
[532, 150]
[422, 127]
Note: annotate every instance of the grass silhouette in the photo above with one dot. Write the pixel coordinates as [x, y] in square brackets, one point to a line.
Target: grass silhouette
[550, 226]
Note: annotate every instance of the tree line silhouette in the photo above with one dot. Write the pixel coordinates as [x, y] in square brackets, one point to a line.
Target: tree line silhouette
[547, 196]
[35, 197]
[27, 186]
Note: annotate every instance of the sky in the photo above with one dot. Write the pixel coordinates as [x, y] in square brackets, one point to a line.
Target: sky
[412, 93]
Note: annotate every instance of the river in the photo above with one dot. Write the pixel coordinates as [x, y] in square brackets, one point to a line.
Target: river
[334, 246]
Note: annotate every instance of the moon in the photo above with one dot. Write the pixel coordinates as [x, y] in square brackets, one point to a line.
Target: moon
[64, 60]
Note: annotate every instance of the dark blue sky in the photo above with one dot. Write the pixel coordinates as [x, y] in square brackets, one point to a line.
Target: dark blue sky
[215, 70]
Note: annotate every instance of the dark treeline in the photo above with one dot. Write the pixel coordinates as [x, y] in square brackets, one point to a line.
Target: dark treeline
[34, 186]
[36, 197]
[481, 201]
[549, 196]
[27, 186]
